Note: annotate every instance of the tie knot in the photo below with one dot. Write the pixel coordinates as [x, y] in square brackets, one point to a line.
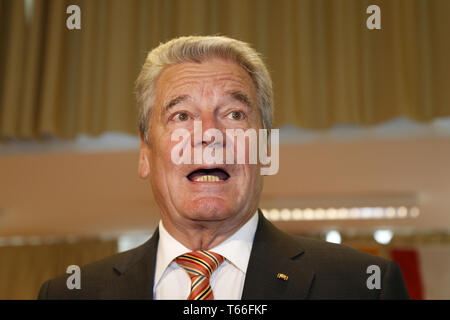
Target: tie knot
[200, 263]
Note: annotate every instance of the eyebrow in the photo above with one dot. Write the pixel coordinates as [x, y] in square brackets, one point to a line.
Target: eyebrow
[241, 97]
[236, 95]
[173, 102]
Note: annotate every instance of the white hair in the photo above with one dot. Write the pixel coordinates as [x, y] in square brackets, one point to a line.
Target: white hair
[198, 49]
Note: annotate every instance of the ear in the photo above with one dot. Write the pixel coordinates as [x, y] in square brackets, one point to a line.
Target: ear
[144, 163]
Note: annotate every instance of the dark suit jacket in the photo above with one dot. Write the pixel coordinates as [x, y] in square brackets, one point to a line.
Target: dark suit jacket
[315, 270]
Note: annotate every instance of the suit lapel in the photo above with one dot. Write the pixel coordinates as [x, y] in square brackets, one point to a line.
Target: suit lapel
[135, 274]
[275, 252]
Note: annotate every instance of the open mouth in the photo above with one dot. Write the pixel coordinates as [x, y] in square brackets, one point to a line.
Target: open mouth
[208, 175]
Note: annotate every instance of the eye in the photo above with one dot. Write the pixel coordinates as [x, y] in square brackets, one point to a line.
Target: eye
[236, 115]
[181, 116]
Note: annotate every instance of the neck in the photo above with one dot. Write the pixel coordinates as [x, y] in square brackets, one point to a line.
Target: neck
[204, 235]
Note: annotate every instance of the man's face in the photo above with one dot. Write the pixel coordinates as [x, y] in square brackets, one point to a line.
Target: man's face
[221, 95]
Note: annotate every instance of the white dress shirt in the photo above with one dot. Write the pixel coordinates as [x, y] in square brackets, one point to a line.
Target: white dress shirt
[227, 282]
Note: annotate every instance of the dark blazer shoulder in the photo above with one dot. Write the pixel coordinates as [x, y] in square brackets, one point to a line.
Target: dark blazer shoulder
[339, 254]
[93, 275]
[316, 269]
[109, 278]
[342, 272]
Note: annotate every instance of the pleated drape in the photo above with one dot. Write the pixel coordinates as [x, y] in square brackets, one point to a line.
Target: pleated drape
[327, 67]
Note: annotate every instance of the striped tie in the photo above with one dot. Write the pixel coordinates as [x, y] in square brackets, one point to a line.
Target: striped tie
[200, 265]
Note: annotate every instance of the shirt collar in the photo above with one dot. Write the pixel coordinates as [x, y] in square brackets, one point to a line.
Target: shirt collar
[236, 249]
[168, 249]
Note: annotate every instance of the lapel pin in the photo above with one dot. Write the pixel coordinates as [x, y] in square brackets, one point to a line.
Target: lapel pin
[282, 276]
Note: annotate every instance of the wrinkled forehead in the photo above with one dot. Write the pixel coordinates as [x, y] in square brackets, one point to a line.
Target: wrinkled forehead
[210, 77]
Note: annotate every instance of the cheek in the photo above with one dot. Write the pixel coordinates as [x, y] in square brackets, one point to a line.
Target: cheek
[249, 178]
[163, 146]
[257, 180]
[160, 164]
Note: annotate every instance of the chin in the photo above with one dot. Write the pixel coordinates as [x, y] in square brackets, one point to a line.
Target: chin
[210, 209]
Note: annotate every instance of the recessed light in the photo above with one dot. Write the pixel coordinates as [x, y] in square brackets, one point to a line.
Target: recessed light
[354, 213]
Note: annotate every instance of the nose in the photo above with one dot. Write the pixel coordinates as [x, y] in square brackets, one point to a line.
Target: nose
[208, 122]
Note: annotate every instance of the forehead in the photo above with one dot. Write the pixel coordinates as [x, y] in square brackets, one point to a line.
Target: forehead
[210, 76]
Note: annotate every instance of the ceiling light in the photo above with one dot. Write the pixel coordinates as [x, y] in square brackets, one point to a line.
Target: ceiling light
[333, 236]
[354, 213]
[383, 236]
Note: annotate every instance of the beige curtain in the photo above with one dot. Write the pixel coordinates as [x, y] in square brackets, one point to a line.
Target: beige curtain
[23, 269]
[328, 68]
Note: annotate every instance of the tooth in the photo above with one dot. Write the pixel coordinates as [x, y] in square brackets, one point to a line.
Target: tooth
[207, 178]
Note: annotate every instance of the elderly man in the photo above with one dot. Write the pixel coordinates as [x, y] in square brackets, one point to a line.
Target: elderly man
[212, 241]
